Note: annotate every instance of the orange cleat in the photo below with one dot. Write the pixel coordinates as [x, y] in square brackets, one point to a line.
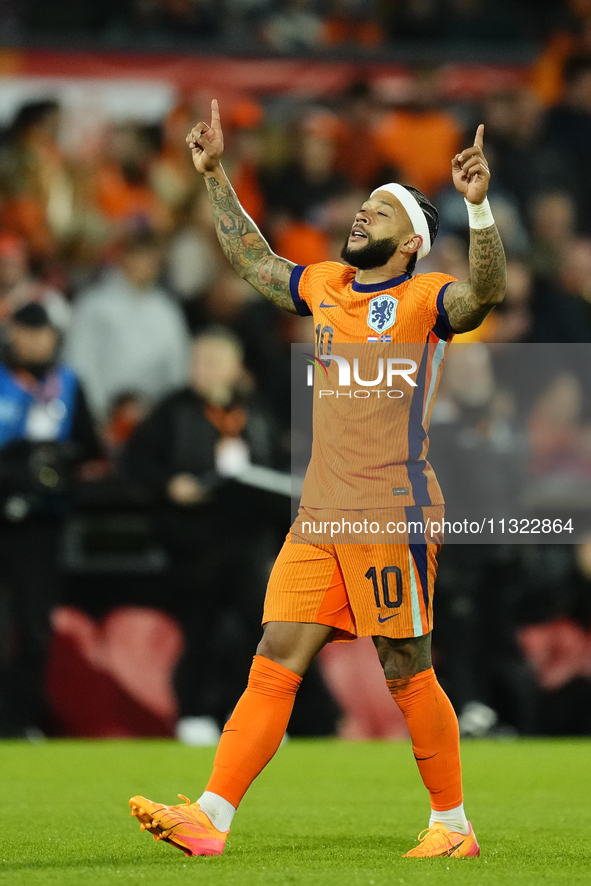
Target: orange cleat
[439, 842]
[186, 827]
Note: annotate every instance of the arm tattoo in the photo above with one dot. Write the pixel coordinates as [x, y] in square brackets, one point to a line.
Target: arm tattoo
[468, 302]
[246, 249]
[402, 659]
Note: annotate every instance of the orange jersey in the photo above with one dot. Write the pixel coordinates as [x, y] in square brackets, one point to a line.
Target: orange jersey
[371, 421]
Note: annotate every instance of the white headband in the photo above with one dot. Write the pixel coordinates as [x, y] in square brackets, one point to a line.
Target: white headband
[415, 214]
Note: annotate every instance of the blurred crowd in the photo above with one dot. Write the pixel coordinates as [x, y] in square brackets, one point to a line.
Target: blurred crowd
[74, 222]
[365, 26]
[139, 374]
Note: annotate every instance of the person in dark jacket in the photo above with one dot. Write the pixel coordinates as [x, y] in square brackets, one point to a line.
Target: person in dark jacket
[215, 530]
[45, 432]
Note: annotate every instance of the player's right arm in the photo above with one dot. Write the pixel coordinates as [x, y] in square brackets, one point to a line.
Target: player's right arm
[243, 244]
[468, 302]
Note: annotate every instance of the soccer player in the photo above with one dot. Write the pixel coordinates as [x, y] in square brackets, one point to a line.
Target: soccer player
[322, 592]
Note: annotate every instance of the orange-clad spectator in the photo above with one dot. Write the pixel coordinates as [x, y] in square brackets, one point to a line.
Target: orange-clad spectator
[547, 72]
[247, 187]
[302, 187]
[124, 193]
[26, 216]
[359, 114]
[122, 199]
[421, 144]
[347, 23]
[246, 118]
[421, 138]
[302, 243]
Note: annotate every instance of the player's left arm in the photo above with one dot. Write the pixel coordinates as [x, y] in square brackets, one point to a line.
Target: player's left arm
[467, 302]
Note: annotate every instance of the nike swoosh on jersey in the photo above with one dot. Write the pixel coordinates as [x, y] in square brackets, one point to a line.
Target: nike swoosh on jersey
[322, 305]
[388, 617]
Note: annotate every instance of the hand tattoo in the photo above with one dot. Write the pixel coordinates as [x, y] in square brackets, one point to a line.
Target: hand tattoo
[467, 303]
[245, 247]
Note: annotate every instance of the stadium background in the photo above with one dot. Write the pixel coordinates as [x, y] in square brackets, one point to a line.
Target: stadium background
[320, 102]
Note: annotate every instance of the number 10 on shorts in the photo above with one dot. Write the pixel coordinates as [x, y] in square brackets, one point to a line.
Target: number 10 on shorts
[387, 586]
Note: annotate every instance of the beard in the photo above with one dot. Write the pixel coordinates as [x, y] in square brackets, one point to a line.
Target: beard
[374, 254]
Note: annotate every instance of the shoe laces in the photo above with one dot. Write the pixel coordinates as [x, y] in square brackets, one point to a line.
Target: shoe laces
[436, 829]
[183, 808]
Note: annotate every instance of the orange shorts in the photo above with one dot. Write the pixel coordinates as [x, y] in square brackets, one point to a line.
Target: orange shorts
[361, 590]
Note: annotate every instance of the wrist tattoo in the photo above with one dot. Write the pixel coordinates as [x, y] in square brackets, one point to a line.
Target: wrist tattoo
[468, 303]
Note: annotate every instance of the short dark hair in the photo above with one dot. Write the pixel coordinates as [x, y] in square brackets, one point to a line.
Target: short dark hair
[32, 315]
[432, 217]
[140, 238]
[32, 114]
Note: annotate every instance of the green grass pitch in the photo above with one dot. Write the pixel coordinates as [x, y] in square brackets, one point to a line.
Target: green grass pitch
[324, 812]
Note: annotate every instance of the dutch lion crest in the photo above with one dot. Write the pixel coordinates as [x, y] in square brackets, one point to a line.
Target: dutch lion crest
[382, 312]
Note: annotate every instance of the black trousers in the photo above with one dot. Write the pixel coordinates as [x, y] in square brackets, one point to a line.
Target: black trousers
[218, 596]
[29, 589]
[477, 596]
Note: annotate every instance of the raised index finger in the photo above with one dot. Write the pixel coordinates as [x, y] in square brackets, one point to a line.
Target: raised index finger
[216, 123]
[479, 137]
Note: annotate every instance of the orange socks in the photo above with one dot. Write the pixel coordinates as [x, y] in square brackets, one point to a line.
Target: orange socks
[435, 734]
[255, 730]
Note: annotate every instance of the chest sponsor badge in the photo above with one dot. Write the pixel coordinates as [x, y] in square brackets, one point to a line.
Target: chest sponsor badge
[382, 312]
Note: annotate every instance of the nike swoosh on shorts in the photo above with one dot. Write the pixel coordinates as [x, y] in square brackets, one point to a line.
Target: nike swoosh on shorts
[322, 305]
[388, 617]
